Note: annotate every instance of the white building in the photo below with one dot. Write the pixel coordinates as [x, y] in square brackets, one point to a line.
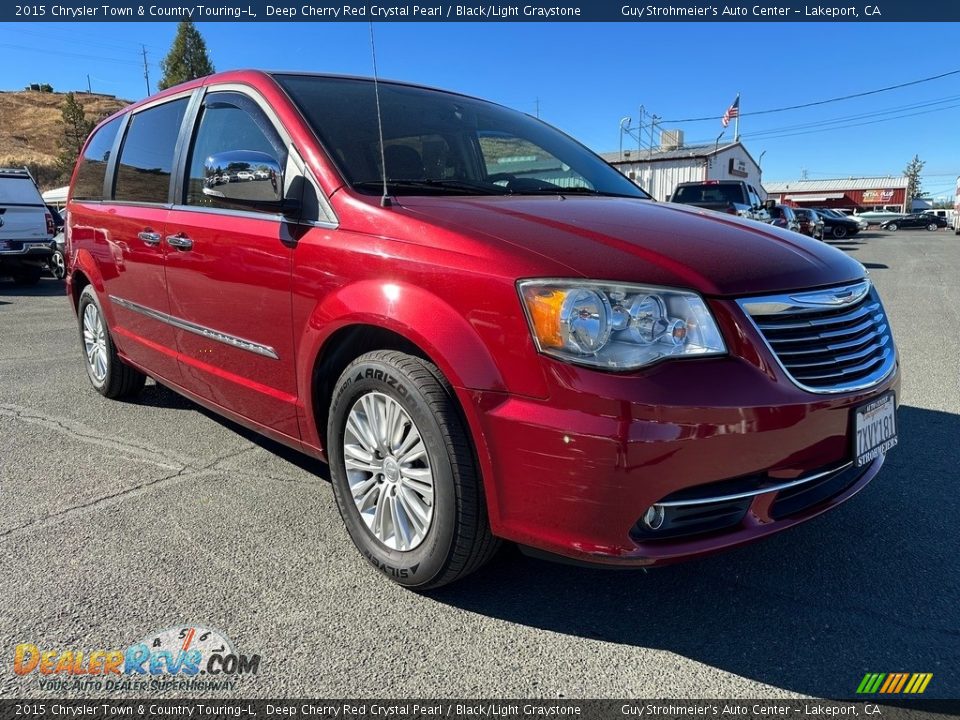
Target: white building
[659, 171]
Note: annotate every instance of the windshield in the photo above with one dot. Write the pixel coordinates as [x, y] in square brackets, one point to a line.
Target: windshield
[440, 143]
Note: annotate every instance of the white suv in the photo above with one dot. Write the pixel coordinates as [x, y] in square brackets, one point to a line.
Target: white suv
[26, 228]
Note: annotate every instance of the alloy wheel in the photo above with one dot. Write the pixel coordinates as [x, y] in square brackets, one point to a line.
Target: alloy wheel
[59, 265]
[388, 471]
[95, 342]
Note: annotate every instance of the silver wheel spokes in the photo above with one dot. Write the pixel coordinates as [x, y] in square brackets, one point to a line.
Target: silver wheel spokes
[95, 342]
[388, 471]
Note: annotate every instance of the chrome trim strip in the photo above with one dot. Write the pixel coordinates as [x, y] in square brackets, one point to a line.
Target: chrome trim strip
[787, 304]
[754, 493]
[800, 302]
[200, 330]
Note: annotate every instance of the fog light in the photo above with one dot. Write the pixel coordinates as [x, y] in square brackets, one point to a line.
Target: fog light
[653, 517]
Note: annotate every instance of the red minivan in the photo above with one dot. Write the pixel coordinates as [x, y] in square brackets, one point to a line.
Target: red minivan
[485, 330]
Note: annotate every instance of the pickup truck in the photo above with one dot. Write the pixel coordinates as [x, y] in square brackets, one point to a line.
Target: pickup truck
[734, 197]
[26, 228]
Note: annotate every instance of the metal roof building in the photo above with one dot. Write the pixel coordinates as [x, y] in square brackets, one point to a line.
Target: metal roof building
[660, 170]
[862, 194]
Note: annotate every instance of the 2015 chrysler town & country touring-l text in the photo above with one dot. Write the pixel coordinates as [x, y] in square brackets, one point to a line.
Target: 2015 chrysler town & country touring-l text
[486, 331]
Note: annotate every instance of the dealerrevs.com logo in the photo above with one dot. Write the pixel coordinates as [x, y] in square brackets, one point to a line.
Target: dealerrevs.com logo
[179, 658]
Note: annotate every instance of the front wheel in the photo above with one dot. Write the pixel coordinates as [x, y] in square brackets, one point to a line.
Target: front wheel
[839, 232]
[893, 227]
[108, 374]
[403, 471]
[932, 226]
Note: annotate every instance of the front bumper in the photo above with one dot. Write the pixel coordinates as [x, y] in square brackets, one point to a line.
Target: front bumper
[573, 475]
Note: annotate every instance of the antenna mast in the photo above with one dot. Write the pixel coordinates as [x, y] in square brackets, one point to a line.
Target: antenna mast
[385, 200]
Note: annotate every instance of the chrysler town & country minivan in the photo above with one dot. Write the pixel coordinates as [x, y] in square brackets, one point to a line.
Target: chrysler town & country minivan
[485, 330]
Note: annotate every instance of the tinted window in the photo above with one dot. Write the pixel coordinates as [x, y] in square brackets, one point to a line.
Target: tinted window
[93, 164]
[230, 122]
[712, 193]
[444, 143]
[146, 159]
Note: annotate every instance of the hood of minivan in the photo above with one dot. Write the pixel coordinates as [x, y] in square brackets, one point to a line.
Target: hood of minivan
[628, 240]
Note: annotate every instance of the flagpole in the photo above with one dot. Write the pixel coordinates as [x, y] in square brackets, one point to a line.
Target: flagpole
[736, 126]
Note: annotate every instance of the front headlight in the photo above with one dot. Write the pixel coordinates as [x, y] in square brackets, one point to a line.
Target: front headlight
[617, 326]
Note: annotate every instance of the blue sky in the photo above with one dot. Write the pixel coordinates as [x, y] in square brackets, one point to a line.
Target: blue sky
[587, 76]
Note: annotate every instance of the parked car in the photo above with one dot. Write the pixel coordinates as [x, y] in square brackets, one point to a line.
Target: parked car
[733, 197]
[916, 220]
[478, 352]
[836, 224]
[246, 175]
[58, 263]
[811, 224]
[26, 228]
[782, 216]
[876, 217]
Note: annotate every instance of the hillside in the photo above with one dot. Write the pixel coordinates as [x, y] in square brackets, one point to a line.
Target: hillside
[31, 127]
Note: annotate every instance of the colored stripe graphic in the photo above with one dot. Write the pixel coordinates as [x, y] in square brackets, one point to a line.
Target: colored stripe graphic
[894, 683]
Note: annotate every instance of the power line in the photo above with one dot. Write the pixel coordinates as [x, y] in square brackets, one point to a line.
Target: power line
[824, 102]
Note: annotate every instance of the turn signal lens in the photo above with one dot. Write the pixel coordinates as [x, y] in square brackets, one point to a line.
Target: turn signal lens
[544, 307]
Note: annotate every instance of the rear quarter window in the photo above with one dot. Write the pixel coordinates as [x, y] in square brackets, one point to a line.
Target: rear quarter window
[92, 169]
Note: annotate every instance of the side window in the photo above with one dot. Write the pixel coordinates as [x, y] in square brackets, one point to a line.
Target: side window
[230, 123]
[93, 164]
[146, 158]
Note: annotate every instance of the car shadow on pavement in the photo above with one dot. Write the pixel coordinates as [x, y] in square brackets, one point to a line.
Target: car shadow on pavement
[47, 287]
[871, 586]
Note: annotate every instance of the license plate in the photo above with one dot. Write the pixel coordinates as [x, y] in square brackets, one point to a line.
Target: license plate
[874, 429]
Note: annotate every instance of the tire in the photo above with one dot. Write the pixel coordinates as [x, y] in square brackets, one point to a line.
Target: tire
[26, 276]
[444, 534]
[839, 232]
[932, 226]
[58, 265]
[892, 227]
[108, 374]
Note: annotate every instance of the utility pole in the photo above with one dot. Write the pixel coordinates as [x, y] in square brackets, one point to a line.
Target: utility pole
[653, 122]
[89, 88]
[537, 101]
[146, 68]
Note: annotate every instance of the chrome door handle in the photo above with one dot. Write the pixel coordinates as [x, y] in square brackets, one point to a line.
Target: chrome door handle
[149, 237]
[180, 242]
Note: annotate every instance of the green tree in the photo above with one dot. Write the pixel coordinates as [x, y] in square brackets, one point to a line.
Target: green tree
[912, 172]
[187, 59]
[76, 128]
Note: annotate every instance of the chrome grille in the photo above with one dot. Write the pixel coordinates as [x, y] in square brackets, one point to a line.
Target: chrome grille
[827, 341]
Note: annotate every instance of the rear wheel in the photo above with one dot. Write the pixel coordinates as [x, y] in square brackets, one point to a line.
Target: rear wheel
[108, 374]
[404, 473]
[58, 265]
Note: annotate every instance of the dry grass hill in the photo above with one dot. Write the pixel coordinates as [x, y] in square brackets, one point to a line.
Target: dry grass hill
[31, 127]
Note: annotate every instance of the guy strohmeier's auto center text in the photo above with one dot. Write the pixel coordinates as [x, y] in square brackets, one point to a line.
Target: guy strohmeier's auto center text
[765, 11]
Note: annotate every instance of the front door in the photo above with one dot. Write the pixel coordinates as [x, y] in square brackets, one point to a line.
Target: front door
[229, 272]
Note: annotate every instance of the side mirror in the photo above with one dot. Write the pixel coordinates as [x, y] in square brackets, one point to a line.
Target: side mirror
[247, 179]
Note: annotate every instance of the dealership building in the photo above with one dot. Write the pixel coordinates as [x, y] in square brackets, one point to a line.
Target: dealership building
[860, 194]
[660, 170]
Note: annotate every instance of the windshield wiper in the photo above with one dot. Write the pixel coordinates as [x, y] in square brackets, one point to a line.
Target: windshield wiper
[576, 191]
[464, 187]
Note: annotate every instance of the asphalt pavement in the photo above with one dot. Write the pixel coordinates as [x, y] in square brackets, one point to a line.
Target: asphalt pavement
[119, 519]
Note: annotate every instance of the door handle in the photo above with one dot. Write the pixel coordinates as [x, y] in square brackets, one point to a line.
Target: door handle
[149, 237]
[179, 241]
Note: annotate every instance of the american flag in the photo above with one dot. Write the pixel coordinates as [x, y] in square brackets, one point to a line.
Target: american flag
[732, 112]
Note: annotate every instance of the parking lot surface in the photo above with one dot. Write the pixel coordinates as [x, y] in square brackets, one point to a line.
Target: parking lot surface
[119, 519]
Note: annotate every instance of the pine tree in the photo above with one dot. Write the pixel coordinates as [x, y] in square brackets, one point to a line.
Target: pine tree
[187, 58]
[76, 128]
[912, 172]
